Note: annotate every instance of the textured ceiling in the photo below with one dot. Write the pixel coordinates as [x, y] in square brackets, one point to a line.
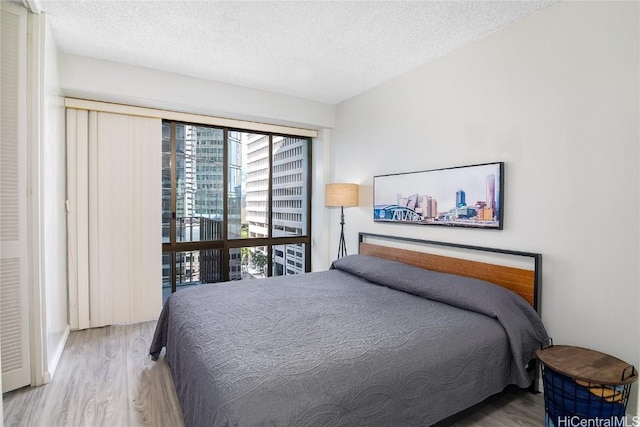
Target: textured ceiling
[325, 51]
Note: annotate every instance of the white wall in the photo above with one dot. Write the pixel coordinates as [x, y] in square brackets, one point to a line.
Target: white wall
[54, 192]
[556, 98]
[320, 216]
[99, 80]
[47, 170]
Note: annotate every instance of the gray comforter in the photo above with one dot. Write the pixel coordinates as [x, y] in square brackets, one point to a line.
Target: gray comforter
[369, 342]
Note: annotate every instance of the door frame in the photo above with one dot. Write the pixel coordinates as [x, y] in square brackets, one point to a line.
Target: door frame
[36, 29]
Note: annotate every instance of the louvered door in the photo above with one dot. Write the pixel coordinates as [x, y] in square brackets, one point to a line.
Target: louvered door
[14, 331]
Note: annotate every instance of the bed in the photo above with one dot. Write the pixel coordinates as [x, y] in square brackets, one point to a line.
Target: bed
[376, 340]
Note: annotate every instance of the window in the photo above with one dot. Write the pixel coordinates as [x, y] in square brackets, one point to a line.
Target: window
[235, 205]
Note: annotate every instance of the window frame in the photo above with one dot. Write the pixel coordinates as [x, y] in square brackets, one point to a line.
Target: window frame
[225, 244]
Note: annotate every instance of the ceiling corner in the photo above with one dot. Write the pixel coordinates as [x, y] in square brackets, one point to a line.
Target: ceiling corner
[32, 5]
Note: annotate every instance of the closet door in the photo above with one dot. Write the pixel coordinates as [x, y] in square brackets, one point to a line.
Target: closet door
[14, 309]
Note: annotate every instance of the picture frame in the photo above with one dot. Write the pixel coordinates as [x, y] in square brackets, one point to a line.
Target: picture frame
[461, 196]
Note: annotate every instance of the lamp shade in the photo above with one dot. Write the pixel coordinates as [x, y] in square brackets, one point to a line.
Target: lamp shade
[341, 195]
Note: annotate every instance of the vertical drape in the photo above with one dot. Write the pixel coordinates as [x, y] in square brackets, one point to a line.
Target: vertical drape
[115, 230]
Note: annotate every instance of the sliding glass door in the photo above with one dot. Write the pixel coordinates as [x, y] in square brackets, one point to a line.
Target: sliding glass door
[235, 205]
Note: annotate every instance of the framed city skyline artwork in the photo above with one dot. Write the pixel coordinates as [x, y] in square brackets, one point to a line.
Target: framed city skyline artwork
[462, 196]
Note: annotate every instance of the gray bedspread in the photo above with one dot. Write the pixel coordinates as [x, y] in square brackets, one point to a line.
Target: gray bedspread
[370, 342]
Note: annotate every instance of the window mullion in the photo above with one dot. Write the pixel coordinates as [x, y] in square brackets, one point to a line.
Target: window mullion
[226, 256]
[308, 200]
[270, 207]
[172, 222]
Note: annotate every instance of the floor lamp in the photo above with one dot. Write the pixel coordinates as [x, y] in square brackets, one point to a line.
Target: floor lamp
[341, 195]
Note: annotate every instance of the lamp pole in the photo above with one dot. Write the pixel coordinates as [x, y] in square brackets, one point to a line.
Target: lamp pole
[342, 246]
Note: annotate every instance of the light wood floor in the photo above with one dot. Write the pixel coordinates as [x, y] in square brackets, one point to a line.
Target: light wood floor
[106, 378]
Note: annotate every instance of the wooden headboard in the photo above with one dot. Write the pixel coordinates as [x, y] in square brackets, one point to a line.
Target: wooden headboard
[523, 282]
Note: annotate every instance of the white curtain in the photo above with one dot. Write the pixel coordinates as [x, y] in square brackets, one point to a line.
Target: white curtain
[114, 164]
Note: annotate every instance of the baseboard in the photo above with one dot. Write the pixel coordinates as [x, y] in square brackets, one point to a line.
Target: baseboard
[48, 375]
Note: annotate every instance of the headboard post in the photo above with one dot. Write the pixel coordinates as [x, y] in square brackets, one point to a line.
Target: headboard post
[537, 265]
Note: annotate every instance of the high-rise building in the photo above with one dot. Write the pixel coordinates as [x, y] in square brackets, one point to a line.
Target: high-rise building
[433, 207]
[204, 155]
[491, 192]
[461, 199]
[257, 184]
[428, 206]
[289, 176]
[235, 191]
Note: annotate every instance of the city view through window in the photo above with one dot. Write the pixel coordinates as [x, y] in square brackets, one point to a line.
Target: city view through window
[235, 205]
